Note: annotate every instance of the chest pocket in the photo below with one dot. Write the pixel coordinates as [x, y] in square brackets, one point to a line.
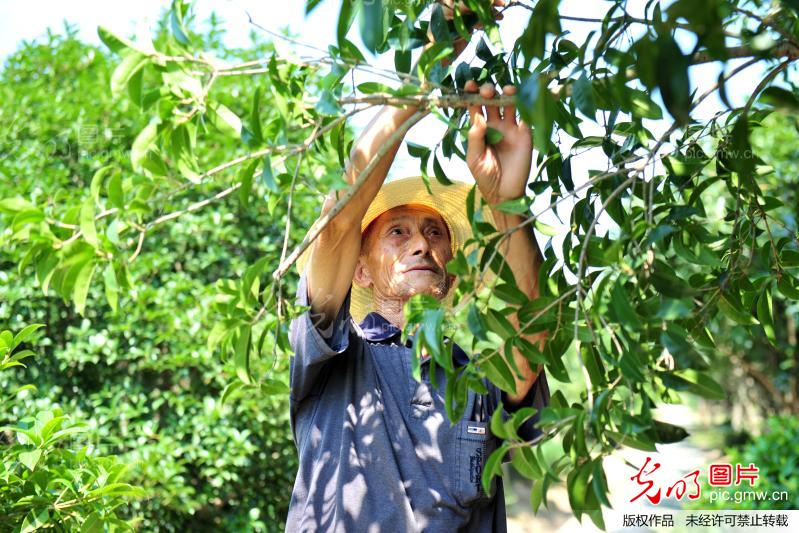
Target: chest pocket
[475, 445]
[422, 395]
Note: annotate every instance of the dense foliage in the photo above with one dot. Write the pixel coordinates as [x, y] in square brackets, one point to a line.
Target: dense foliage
[675, 239]
[774, 453]
[48, 476]
[135, 369]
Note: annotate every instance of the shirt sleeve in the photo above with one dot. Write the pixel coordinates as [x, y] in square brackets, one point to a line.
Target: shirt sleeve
[312, 347]
[537, 396]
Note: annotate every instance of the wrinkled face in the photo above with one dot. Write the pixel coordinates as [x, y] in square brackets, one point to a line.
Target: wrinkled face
[404, 252]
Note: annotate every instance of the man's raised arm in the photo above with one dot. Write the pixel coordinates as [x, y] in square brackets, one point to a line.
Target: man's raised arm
[336, 250]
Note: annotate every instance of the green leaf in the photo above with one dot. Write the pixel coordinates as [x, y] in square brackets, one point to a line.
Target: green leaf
[113, 41]
[15, 205]
[685, 355]
[310, 5]
[779, 98]
[438, 25]
[82, 283]
[417, 150]
[93, 524]
[670, 309]
[658, 234]
[372, 87]
[24, 334]
[30, 459]
[544, 20]
[268, 175]
[66, 432]
[631, 441]
[87, 222]
[577, 488]
[111, 286]
[483, 51]
[733, 310]
[130, 65]
[224, 120]
[372, 28]
[537, 109]
[476, 323]
[176, 25]
[643, 106]
[622, 309]
[402, 61]
[694, 382]
[538, 493]
[241, 358]
[518, 206]
[229, 390]
[498, 371]
[789, 258]
[765, 315]
[498, 423]
[788, 286]
[599, 483]
[666, 433]
[499, 324]
[255, 117]
[114, 191]
[439, 172]
[327, 104]
[510, 294]
[245, 177]
[526, 464]
[493, 466]
[345, 19]
[545, 229]
[97, 181]
[273, 386]
[35, 519]
[672, 78]
[583, 95]
[116, 489]
[741, 159]
[141, 145]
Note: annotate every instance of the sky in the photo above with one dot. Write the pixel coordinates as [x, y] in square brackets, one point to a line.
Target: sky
[30, 19]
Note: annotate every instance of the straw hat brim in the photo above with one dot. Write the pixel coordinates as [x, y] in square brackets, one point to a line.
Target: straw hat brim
[448, 200]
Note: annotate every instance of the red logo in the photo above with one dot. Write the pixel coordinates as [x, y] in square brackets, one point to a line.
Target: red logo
[678, 488]
[719, 475]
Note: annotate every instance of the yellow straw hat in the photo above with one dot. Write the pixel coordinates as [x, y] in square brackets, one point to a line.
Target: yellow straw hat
[448, 200]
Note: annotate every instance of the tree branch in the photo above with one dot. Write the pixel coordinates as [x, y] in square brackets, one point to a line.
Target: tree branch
[323, 221]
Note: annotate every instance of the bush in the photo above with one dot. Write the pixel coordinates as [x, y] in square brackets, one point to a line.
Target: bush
[142, 373]
[48, 477]
[776, 454]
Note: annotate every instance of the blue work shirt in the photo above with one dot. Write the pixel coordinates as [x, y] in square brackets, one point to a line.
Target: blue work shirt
[376, 449]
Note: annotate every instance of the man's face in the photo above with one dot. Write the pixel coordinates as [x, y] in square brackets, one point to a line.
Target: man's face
[405, 252]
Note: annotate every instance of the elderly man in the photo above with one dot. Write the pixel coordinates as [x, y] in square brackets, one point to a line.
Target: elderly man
[376, 449]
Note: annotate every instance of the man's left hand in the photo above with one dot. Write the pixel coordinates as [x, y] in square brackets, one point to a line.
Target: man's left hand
[500, 170]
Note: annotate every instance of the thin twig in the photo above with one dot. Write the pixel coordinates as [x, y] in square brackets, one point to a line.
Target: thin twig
[138, 246]
[765, 81]
[325, 219]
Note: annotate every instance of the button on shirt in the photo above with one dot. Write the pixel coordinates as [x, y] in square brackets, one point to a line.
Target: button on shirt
[376, 449]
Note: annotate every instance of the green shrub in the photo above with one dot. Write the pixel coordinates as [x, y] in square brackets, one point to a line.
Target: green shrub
[49, 477]
[142, 376]
[776, 454]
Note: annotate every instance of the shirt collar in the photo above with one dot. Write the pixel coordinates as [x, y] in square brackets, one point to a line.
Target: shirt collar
[377, 328]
